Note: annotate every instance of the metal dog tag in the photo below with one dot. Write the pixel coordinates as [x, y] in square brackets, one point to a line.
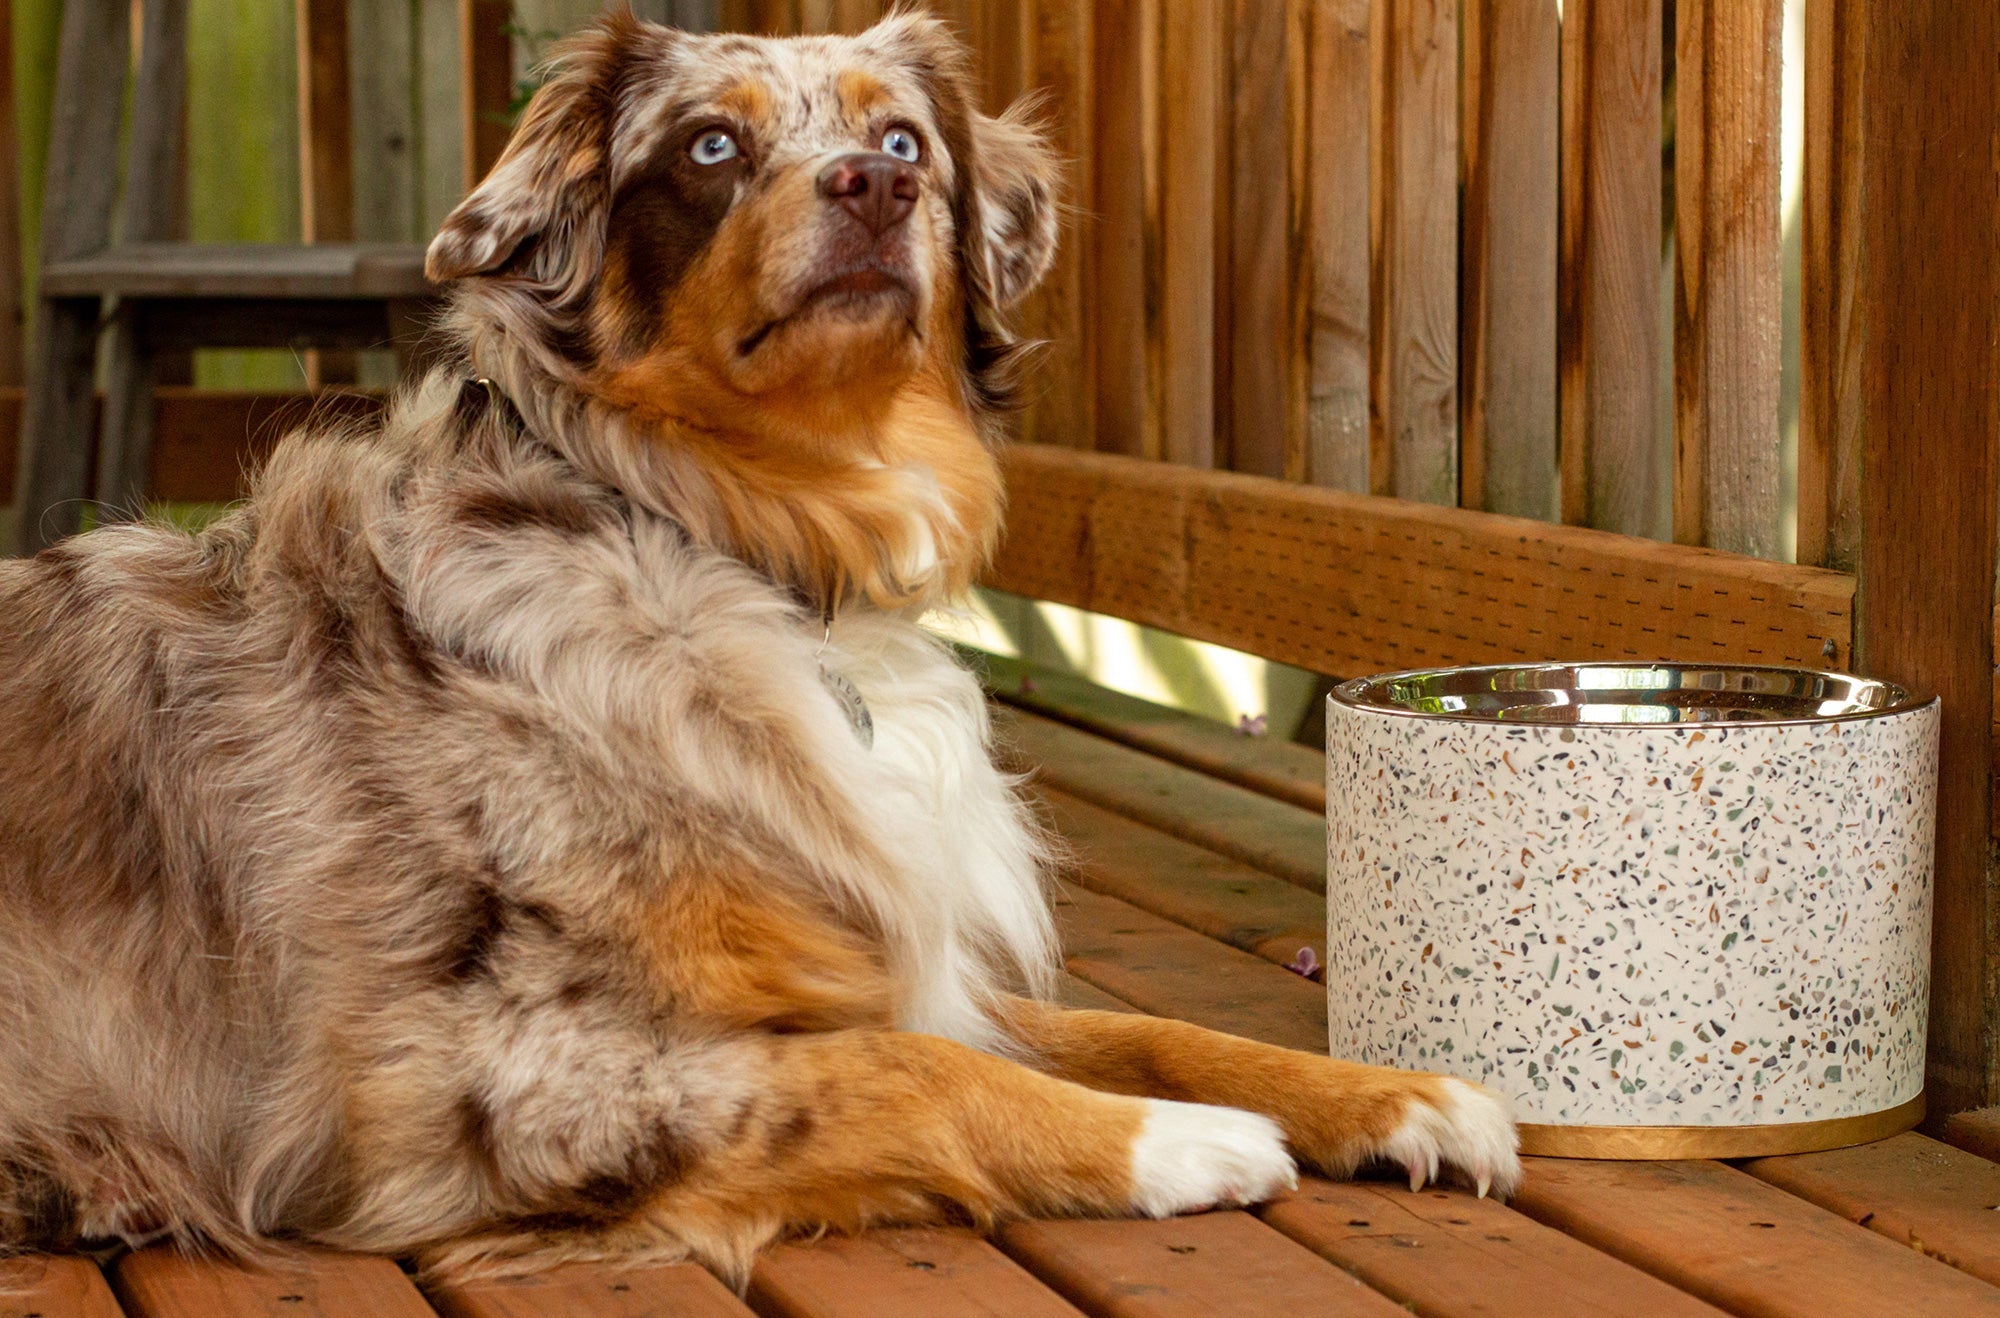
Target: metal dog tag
[848, 697]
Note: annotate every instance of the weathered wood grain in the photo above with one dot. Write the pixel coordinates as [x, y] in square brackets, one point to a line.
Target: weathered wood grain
[1930, 306]
[1197, 889]
[1272, 836]
[1728, 290]
[593, 1291]
[1616, 462]
[1443, 1252]
[1413, 196]
[910, 1273]
[1738, 1243]
[1347, 585]
[1267, 301]
[54, 1286]
[1055, 64]
[1193, 120]
[486, 85]
[53, 472]
[1164, 969]
[162, 1282]
[1507, 259]
[1830, 403]
[1203, 1266]
[1338, 81]
[1918, 1192]
[1121, 314]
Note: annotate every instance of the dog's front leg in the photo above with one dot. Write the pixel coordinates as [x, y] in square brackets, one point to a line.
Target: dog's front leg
[855, 1127]
[1336, 1115]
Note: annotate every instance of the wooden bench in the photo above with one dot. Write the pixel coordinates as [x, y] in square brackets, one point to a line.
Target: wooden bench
[1199, 856]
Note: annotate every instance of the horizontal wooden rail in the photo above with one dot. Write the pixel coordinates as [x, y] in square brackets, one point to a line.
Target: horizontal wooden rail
[204, 439]
[1345, 584]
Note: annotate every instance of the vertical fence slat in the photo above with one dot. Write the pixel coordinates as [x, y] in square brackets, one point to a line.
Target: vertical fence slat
[1728, 289]
[1829, 328]
[1055, 52]
[486, 84]
[382, 58]
[1615, 462]
[1507, 259]
[326, 150]
[1121, 313]
[1192, 110]
[1413, 192]
[13, 321]
[1337, 94]
[1267, 304]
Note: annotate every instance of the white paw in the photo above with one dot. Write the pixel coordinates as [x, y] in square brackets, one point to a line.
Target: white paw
[1470, 1128]
[1189, 1157]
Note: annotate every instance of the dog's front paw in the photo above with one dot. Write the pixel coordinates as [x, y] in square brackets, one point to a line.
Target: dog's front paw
[1188, 1157]
[1457, 1125]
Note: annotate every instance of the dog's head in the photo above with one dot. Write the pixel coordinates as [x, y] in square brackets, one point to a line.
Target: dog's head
[714, 227]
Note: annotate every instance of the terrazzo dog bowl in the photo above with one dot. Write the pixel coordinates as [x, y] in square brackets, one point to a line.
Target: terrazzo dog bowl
[1671, 911]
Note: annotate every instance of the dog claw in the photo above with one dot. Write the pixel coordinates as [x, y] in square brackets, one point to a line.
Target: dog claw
[1416, 1177]
[1483, 1184]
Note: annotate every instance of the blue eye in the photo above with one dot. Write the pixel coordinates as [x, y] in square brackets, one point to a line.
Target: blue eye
[713, 147]
[902, 143]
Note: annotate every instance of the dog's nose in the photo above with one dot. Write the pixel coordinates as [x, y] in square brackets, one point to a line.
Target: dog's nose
[872, 186]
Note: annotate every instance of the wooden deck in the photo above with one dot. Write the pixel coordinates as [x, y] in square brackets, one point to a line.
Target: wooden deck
[1198, 875]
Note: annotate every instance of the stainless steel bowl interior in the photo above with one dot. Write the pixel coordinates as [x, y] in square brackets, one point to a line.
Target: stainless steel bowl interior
[1628, 693]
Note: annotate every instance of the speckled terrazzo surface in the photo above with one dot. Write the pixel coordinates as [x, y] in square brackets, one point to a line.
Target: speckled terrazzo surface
[1719, 924]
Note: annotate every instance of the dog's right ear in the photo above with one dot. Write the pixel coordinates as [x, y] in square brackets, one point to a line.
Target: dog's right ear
[544, 201]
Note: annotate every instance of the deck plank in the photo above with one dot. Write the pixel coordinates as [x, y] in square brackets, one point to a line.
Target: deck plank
[1206, 1266]
[594, 1291]
[1445, 1253]
[162, 1282]
[1246, 826]
[1739, 1243]
[1074, 992]
[1270, 766]
[54, 1286]
[1195, 888]
[907, 1273]
[1166, 970]
[1918, 1192]
[1977, 1131]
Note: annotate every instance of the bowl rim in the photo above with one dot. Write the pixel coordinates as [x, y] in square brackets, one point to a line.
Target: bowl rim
[1903, 699]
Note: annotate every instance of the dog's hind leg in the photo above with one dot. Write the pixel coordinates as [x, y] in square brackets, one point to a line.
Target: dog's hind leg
[855, 1127]
[1336, 1115]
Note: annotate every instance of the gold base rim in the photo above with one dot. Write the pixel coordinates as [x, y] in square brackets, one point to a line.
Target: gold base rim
[1652, 1143]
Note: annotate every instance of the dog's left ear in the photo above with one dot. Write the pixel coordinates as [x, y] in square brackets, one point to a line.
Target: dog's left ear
[1012, 179]
[546, 195]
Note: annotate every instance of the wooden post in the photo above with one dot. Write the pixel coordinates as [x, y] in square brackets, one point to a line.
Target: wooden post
[326, 151]
[1930, 414]
[486, 83]
[57, 417]
[13, 361]
[149, 211]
